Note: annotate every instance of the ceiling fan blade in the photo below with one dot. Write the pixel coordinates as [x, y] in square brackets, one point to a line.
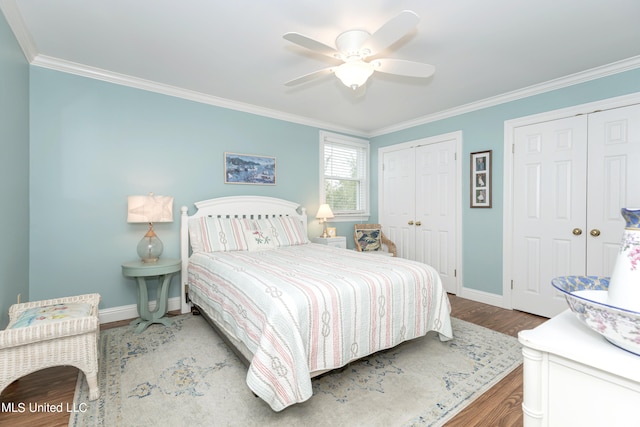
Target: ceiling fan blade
[392, 31]
[403, 68]
[311, 76]
[311, 44]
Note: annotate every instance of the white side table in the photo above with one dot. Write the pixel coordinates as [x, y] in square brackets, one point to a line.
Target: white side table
[573, 377]
[338, 241]
[163, 269]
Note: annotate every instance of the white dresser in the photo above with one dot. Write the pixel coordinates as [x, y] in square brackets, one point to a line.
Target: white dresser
[574, 377]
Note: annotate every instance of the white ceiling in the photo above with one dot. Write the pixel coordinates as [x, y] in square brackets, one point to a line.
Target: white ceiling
[231, 52]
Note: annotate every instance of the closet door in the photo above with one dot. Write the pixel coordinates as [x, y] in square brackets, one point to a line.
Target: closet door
[398, 193]
[435, 217]
[571, 178]
[419, 198]
[550, 161]
[613, 182]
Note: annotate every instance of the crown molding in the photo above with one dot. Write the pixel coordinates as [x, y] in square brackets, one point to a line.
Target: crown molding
[14, 19]
[559, 83]
[148, 85]
[13, 16]
[151, 86]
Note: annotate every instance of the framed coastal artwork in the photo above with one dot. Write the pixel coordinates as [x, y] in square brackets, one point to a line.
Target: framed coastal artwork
[481, 179]
[249, 169]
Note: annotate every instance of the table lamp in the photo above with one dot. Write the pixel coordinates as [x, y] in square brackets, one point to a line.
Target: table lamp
[324, 212]
[150, 209]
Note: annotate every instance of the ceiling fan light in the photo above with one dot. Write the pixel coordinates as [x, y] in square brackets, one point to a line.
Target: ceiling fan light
[354, 74]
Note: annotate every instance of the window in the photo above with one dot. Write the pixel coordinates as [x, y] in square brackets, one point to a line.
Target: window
[344, 180]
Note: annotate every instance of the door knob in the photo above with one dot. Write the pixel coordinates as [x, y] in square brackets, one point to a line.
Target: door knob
[577, 231]
[418, 223]
[410, 222]
[595, 232]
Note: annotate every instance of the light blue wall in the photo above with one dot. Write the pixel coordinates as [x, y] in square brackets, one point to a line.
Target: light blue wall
[94, 143]
[484, 130]
[14, 172]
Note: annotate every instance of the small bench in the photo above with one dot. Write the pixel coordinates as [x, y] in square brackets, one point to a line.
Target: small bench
[55, 332]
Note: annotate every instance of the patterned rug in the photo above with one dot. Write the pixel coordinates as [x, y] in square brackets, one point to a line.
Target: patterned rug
[185, 375]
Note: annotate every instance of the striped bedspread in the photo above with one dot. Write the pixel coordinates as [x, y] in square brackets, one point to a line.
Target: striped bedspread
[306, 308]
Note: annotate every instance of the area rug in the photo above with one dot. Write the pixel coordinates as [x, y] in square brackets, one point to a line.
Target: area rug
[186, 375]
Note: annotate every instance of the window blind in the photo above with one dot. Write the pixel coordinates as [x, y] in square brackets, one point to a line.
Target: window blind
[345, 175]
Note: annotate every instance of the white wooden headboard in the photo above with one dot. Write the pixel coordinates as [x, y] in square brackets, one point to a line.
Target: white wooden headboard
[254, 207]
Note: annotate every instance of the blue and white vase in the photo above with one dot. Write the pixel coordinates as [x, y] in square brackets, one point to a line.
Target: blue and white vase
[624, 286]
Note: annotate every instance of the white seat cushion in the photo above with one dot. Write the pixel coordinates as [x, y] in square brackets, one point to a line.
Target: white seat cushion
[50, 313]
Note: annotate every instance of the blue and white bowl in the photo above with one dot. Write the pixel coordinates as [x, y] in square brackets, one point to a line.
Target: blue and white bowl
[587, 298]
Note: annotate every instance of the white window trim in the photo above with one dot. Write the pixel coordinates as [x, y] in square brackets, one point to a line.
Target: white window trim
[361, 143]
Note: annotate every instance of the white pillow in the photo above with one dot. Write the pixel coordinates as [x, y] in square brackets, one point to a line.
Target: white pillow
[209, 234]
[260, 240]
[286, 230]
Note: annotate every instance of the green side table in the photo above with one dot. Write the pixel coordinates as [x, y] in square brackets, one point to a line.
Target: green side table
[164, 269]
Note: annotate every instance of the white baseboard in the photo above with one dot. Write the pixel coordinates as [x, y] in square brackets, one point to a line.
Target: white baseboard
[484, 297]
[125, 312]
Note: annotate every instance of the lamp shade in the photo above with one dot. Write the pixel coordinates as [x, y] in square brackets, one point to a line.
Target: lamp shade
[354, 74]
[324, 212]
[150, 208]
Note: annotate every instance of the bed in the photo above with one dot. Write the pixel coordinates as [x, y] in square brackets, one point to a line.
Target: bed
[294, 309]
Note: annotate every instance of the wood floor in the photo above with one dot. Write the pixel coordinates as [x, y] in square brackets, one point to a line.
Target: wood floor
[501, 406]
[52, 389]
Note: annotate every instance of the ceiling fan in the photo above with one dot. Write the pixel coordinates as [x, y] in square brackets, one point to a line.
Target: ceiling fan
[356, 48]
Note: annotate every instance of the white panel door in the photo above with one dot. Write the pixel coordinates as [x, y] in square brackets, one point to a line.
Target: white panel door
[398, 193]
[571, 178]
[435, 218]
[549, 189]
[613, 182]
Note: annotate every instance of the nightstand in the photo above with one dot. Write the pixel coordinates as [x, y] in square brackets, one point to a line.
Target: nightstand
[338, 241]
[164, 269]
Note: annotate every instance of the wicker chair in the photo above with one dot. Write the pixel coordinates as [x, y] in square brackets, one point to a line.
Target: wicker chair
[69, 341]
[384, 245]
